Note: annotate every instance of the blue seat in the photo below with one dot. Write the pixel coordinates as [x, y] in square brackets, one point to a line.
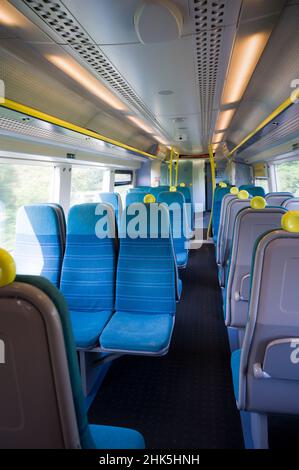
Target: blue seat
[47, 400]
[40, 241]
[185, 190]
[88, 270]
[218, 196]
[114, 200]
[175, 202]
[155, 191]
[253, 190]
[278, 198]
[136, 197]
[146, 285]
[140, 189]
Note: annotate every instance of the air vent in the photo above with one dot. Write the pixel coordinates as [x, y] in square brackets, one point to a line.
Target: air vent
[209, 26]
[72, 34]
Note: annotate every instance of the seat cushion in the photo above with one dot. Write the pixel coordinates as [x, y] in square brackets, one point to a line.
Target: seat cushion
[180, 288]
[108, 437]
[235, 365]
[138, 332]
[182, 258]
[87, 327]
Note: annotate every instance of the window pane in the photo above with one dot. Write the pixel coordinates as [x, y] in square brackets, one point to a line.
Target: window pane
[287, 175]
[263, 182]
[87, 183]
[122, 177]
[19, 185]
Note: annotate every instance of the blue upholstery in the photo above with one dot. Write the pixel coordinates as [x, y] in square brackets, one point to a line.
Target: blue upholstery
[115, 201]
[235, 365]
[39, 241]
[140, 189]
[136, 197]
[179, 224]
[145, 287]
[88, 326]
[91, 436]
[156, 191]
[253, 190]
[138, 332]
[88, 272]
[218, 196]
[108, 437]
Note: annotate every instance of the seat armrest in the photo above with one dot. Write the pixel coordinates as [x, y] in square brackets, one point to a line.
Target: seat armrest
[244, 291]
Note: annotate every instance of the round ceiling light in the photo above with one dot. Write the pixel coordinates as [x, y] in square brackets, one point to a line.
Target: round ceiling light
[158, 21]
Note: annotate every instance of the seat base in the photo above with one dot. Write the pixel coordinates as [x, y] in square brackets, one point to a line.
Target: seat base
[87, 327]
[108, 437]
[136, 333]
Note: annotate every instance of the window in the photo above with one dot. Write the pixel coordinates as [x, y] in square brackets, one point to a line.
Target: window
[263, 182]
[123, 181]
[87, 183]
[21, 184]
[287, 177]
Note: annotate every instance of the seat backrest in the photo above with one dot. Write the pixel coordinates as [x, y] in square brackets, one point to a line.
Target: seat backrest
[253, 190]
[276, 199]
[41, 400]
[186, 193]
[291, 204]
[146, 271]
[155, 191]
[269, 375]
[249, 225]
[175, 202]
[89, 264]
[115, 200]
[233, 208]
[40, 241]
[218, 196]
[136, 197]
[139, 189]
[222, 220]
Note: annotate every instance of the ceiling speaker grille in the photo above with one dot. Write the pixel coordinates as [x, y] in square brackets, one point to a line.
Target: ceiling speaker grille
[208, 19]
[61, 21]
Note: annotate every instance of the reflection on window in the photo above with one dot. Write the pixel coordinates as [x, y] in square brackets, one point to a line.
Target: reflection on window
[87, 183]
[20, 185]
[287, 177]
[263, 182]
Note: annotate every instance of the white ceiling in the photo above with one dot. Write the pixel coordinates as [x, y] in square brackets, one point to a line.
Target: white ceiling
[148, 69]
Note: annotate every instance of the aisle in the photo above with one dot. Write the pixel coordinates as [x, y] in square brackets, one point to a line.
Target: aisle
[185, 399]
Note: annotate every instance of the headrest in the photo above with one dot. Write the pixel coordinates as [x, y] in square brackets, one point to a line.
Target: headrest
[191, 184]
[234, 190]
[243, 194]
[222, 184]
[149, 199]
[290, 221]
[7, 268]
[258, 202]
[182, 185]
[172, 189]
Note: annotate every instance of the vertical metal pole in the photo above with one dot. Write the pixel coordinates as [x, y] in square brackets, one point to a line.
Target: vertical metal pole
[177, 169]
[213, 176]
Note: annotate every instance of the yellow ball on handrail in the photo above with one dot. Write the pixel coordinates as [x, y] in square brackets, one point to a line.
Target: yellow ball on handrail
[222, 184]
[149, 199]
[172, 189]
[258, 202]
[290, 221]
[182, 185]
[243, 194]
[7, 268]
[234, 190]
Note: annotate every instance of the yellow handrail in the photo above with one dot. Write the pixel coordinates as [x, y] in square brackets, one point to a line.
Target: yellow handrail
[282, 107]
[170, 166]
[9, 104]
[177, 169]
[213, 177]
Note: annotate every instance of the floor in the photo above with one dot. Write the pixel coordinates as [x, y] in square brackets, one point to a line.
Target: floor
[184, 399]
